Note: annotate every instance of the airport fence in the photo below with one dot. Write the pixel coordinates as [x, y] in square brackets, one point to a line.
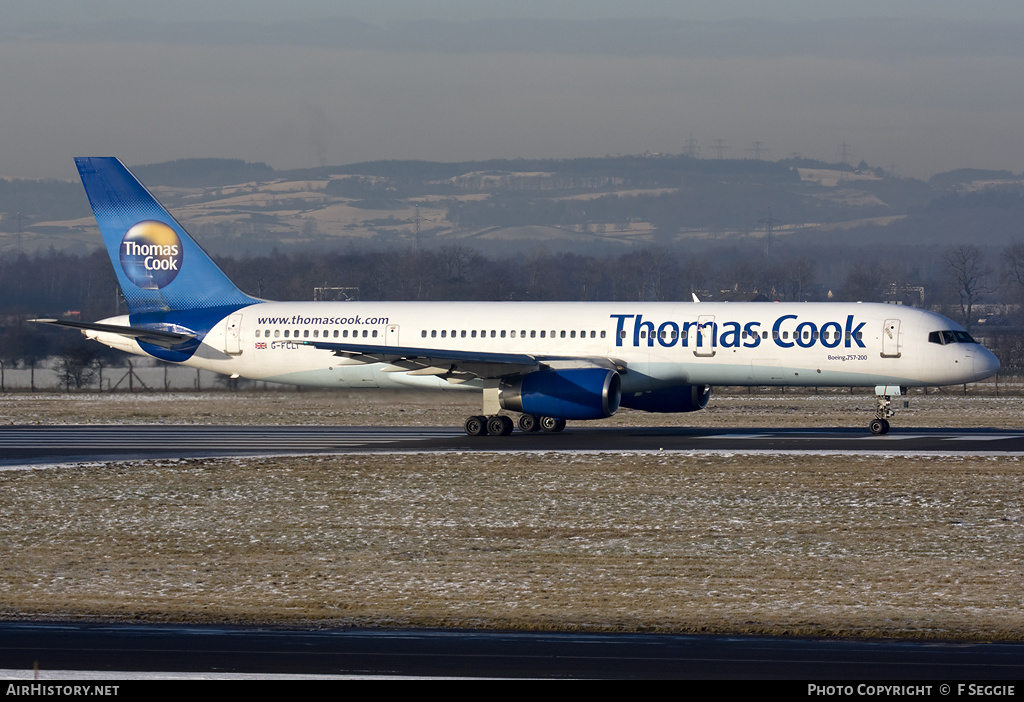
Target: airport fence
[156, 376]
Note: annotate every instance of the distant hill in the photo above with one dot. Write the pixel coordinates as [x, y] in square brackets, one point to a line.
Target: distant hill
[238, 206]
[967, 175]
[203, 172]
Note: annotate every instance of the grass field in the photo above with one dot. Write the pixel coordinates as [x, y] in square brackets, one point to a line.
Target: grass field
[823, 544]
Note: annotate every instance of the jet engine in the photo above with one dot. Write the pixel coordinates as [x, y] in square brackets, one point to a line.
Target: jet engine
[682, 398]
[569, 393]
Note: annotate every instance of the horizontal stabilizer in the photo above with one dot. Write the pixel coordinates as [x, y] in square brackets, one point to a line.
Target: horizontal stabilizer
[150, 336]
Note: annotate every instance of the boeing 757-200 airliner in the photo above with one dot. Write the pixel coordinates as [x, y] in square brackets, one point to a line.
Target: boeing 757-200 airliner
[546, 361]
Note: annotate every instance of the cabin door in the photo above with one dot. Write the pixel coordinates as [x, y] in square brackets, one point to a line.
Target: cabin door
[891, 339]
[233, 335]
[703, 337]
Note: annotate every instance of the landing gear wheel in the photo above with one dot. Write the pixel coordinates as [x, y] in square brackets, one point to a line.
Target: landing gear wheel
[529, 423]
[552, 425]
[883, 409]
[476, 426]
[499, 425]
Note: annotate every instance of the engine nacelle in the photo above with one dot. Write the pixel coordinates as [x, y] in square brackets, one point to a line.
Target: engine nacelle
[682, 398]
[570, 393]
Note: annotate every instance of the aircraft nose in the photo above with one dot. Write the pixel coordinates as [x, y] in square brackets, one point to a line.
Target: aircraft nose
[985, 364]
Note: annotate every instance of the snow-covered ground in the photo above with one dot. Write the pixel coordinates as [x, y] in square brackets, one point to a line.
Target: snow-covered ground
[927, 546]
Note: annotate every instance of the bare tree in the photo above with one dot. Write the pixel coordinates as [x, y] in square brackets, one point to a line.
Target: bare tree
[459, 261]
[1012, 273]
[797, 276]
[971, 276]
[76, 365]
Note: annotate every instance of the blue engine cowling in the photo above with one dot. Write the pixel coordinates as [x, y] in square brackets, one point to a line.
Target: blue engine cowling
[571, 393]
[682, 398]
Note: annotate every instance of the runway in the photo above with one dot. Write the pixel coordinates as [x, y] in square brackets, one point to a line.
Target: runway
[482, 654]
[35, 444]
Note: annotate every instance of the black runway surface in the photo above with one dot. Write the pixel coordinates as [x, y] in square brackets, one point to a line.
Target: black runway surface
[72, 443]
[102, 647]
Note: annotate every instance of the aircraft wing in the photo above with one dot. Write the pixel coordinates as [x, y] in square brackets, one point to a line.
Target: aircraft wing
[157, 337]
[452, 364]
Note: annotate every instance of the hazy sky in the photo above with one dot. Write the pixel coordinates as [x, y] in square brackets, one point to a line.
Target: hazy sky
[920, 86]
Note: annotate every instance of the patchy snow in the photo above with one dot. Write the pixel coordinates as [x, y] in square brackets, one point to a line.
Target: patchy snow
[663, 541]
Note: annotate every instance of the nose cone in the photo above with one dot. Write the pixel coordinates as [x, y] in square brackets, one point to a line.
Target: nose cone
[985, 364]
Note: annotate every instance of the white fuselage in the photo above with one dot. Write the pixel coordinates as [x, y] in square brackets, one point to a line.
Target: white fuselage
[659, 345]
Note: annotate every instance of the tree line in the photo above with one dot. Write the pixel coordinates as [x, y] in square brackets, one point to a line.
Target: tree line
[964, 282]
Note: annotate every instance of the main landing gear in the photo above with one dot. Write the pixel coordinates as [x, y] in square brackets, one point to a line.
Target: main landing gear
[883, 408]
[500, 425]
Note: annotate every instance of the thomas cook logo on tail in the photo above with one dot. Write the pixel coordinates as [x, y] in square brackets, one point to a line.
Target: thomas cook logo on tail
[151, 255]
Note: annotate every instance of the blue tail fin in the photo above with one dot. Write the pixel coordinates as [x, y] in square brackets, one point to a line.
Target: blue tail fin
[159, 266]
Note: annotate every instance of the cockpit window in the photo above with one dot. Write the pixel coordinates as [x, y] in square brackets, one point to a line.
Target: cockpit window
[950, 336]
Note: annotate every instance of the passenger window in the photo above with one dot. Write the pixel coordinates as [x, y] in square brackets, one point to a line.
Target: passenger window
[277, 333]
[257, 333]
[285, 333]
